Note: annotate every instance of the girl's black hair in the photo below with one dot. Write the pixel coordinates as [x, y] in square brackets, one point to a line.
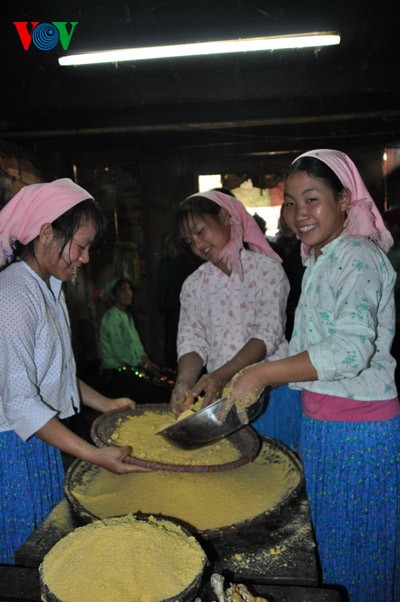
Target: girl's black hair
[317, 169]
[84, 212]
[195, 206]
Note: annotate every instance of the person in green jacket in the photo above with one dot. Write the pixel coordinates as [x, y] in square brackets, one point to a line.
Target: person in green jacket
[126, 366]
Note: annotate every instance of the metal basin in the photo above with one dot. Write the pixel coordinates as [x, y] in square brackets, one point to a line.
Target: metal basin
[204, 427]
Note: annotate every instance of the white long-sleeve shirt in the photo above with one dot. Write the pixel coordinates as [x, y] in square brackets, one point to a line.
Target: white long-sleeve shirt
[38, 373]
[345, 319]
[220, 313]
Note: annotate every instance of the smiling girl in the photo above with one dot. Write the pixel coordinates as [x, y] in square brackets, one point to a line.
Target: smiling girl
[46, 233]
[340, 359]
[233, 308]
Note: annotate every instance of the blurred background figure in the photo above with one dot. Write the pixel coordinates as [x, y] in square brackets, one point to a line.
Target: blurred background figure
[287, 245]
[126, 366]
[174, 267]
[262, 224]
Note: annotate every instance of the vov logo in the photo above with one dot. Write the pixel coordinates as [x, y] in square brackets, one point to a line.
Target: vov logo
[45, 36]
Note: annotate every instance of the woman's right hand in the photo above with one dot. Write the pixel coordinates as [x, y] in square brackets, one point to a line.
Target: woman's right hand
[112, 458]
[182, 398]
[243, 390]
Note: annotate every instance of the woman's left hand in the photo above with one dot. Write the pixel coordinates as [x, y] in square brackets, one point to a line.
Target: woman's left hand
[211, 384]
[150, 366]
[101, 403]
[121, 403]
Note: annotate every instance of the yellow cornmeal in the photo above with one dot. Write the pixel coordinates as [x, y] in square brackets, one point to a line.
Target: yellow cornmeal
[140, 432]
[195, 407]
[122, 559]
[202, 501]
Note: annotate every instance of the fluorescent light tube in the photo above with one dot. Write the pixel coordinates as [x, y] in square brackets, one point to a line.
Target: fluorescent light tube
[202, 48]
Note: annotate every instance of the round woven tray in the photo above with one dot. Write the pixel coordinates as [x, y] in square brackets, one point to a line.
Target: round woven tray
[188, 594]
[82, 473]
[245, 440]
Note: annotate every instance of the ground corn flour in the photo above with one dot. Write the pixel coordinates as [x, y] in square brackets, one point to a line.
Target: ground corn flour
[201, 500]
[125, 560]
[140, 432]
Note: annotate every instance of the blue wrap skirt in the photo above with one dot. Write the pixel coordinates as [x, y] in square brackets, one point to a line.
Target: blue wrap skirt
[281, 418]
[31, 484]
[352, 474]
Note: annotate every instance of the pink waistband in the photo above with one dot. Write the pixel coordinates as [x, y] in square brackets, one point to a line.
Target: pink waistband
[343, 409]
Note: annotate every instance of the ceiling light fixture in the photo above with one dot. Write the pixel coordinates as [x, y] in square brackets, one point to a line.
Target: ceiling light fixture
[306, 40]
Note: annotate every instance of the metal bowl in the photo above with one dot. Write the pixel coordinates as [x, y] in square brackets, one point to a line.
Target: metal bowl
[204, 427]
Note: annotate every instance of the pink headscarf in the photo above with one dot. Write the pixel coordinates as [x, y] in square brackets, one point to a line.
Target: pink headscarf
[363, 216]
[244, 228]
[35, 205]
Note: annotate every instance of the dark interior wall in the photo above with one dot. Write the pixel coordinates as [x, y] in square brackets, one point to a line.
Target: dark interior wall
[138, 197]
[16, 170]
[369, 161]
[139, 200]
[117, 189]
[164, 183]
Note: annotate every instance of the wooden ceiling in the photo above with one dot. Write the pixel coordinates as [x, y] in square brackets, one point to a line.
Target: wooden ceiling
[254, 104]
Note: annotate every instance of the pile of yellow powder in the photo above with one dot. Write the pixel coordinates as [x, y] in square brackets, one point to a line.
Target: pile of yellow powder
[141, 433]
[202, 501]
[122, 559]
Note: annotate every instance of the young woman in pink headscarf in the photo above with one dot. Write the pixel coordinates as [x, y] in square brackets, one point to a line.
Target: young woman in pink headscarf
[46, 233]
[233, 309]
[340, 359]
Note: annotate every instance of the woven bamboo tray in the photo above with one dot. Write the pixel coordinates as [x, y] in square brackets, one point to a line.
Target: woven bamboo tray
[245, 440]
